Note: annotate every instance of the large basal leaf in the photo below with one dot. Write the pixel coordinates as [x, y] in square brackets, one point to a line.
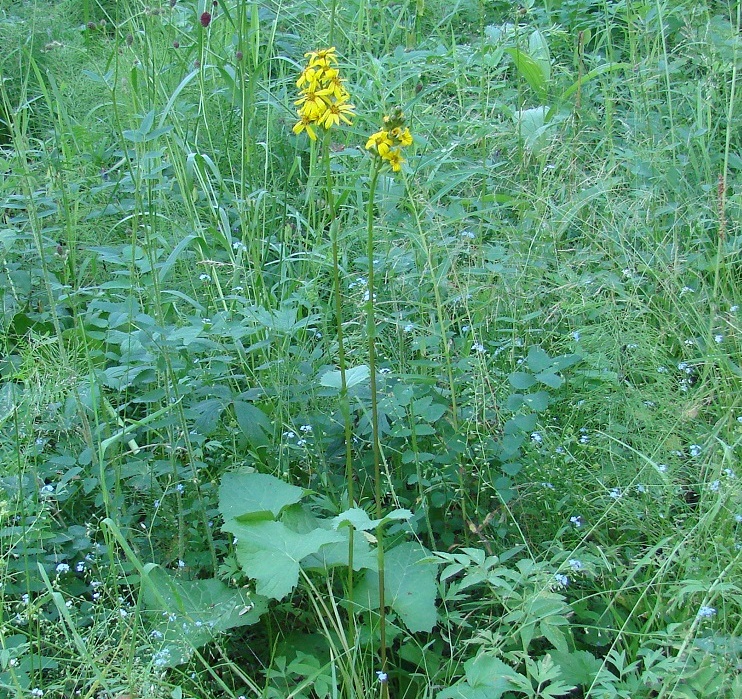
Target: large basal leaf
[409, 586]
[270, 553]
[186, 614]
[254, 494]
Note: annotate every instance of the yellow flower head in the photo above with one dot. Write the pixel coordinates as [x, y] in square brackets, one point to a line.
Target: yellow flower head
[389, 141]
[323, 100]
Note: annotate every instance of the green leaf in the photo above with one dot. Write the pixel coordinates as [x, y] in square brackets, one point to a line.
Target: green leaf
[489, 671]
[581, 666]
[521, 381]
[427, 410]
[270, 553]
[253, 422]
[538, 48]
[538, 401]
[531, 70]
[549, 378]
[409, 586]
[354, 376]
[538, 360]
[359, 519]
[486, 677]
[186, 614]
[521, 423]
[245, 494]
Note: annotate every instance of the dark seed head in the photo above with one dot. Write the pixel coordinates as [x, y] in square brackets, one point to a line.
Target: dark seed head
[205, 19]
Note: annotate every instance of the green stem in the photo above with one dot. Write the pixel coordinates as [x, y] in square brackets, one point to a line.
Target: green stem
[375, 436]
[344, 400]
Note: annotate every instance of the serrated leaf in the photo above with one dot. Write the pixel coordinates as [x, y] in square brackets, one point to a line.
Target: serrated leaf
[243, 494]
[581, 666]
[270, 553]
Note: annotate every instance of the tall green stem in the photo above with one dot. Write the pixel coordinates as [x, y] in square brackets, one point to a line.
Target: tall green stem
[375, 436]
[344, 401]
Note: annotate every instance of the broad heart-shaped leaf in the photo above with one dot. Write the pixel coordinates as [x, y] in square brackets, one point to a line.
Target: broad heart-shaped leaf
[409, 586]
[186, 614]
[245, 494]
[270, 553]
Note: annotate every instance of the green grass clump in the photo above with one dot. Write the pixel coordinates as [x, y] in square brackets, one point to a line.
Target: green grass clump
[345, 416]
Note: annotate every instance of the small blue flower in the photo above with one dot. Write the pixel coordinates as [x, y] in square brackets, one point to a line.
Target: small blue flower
[575, 564]
[561, 579]
[706, 612]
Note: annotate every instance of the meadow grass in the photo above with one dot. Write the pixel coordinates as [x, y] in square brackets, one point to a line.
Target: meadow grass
[278, 419]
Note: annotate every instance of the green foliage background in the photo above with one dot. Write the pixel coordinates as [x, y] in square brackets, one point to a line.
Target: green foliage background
[557, 320]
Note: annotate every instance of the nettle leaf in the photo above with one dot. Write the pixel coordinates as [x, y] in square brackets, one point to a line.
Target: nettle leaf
[246, 495]
[270, 553]
[409, 586]
[186, 614]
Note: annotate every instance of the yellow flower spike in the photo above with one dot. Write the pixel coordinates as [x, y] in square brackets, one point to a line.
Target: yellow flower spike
[323, 100]
[389, 141]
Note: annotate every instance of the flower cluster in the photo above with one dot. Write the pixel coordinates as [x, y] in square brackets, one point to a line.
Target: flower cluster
[323, 100]
[389, 141]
